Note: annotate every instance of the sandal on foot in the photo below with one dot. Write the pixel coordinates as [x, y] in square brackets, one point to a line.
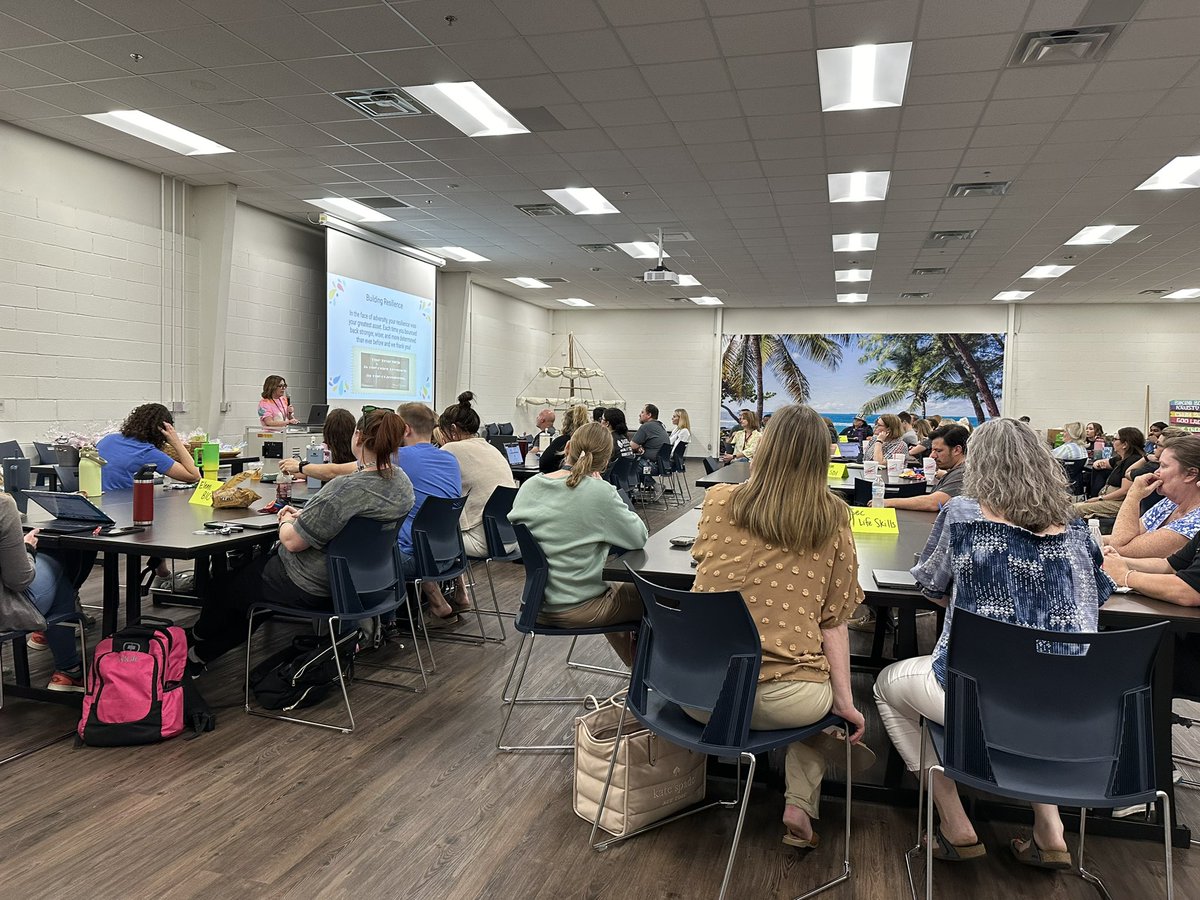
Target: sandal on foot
[944, 850]
[794, 840]
[1033, 855]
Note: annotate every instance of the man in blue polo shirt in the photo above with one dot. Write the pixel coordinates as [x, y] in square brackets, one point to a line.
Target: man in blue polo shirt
[433, 473]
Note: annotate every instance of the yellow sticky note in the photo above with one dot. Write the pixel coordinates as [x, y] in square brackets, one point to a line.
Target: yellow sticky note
[837, 470]
[204, 491]
[872, 520]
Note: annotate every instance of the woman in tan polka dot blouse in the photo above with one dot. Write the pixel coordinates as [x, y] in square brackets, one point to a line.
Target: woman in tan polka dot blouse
[783, 540]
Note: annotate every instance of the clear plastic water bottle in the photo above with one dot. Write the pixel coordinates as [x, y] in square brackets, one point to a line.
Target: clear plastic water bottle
[877, 491]
[1094, 528]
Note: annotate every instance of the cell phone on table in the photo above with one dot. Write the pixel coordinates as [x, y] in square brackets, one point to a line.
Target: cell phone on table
[115, 530]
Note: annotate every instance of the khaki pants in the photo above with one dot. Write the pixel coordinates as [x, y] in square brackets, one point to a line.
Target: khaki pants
[1098, 508]
[619, 604]
[792, 704]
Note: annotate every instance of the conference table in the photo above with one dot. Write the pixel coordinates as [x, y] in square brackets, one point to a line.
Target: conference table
[50, 472]
[663, 563]
[736, 473]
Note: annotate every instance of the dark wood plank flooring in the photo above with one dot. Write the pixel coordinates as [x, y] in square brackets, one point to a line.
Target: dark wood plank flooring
[416, 804]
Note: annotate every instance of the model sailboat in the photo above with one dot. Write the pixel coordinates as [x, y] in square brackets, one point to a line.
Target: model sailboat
[574, 387]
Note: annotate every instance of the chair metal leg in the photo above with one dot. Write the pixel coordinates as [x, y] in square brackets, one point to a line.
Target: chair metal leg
[928, 838]
[511, 703]
[1166, 823]
[417, 583]
[483, 637]
[1084, 873]
[394, 668]
[922, 778]
[845, 876]
[487, 567]
[588, 667]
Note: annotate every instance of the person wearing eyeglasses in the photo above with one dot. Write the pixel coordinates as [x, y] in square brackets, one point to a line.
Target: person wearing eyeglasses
[275, 407]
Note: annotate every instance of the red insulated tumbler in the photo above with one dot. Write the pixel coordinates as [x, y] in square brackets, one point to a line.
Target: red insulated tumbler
[143, 496]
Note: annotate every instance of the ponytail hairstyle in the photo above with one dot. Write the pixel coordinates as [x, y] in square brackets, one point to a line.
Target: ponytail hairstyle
[590, 450]
[381, 432]
[460, 416]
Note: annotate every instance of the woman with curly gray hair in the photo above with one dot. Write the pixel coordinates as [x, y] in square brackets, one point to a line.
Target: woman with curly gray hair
[1010, 549]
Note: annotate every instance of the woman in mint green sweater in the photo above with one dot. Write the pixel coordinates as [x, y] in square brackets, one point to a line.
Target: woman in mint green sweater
[576, 517]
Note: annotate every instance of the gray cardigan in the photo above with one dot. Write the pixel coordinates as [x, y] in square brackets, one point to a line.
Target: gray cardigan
[16, 565]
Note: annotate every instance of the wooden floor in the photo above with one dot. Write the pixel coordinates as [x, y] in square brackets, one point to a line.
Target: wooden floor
[417, 804]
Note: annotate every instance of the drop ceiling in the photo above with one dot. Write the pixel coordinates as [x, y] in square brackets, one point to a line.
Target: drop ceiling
[698, 116]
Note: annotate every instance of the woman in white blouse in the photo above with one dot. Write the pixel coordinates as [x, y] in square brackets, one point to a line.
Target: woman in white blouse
[1072, 445]
[681, 428]
[745, 440]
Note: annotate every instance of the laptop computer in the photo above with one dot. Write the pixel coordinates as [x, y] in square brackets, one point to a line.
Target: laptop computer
[72, 513]
[317, 414]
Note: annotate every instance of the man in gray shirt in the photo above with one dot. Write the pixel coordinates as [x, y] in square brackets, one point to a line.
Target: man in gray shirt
[651, 436]
[948, 448]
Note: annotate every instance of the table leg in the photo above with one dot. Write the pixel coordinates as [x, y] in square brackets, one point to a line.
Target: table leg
[906, 633]
[112, 594]
[20, 662]
[1164, 689]
[133, 589]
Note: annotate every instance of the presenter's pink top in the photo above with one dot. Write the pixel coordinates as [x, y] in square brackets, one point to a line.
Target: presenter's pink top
[276, 410]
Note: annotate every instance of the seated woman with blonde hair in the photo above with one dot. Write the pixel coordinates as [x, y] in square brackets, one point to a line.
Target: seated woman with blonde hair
[1072, 445]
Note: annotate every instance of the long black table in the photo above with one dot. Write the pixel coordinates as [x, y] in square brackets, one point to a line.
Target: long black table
[736, 473]
[671, 566]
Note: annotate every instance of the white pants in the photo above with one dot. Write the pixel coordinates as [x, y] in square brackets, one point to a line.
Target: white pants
[904, 692]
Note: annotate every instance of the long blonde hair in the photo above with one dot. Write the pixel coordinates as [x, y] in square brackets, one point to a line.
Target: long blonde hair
[684, 421]
[575, 417]
[786, 502]
[590, 450]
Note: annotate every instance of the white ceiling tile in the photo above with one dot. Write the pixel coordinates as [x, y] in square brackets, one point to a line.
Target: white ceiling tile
[527, 91]
[636, 12]
[155, 58]
[614, 113]
[71, 97]
[286, 38]
[966, 54]
[580, 50]
[955, 88]
[67, 20]
[1114, 106]
[773, 70]
[950, 18]
[202, 86]
[472, 22]
[1155, 40]
[17, 34]
[17, 74]
[703, 76]
[688, 40]
[947, 115]
[367, 28]
[66, 61]
[484, 59]
[881, 22]
[136, 93]
[270, 79]
[149, 15]
[772, 32]
[578, 140]
[254, 112]
[551, 16]
[780, 100]
[1015, 112]
[697, 107]
[605, 84]
[338, 73]
[713, 131]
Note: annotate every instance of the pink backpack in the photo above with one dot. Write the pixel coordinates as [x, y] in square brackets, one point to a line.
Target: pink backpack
[135, 693]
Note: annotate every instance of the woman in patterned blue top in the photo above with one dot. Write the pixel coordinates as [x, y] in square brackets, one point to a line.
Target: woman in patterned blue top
[1008, 549]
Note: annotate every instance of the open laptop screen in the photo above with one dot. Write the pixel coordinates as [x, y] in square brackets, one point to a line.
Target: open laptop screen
[68, 506]
[513, 451]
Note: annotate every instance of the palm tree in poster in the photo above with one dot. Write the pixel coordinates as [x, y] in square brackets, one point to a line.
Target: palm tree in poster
[746, 356]
[919, 368]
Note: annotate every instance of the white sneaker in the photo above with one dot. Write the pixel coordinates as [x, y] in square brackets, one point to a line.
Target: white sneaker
[1122, 812]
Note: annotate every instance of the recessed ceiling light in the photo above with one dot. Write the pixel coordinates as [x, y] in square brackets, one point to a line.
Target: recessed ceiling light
[856, 187]
[860, 241]
[642, 250]
[1180, 173]
[852, 275]
[1185, 294]
[583, 201]
[1013, 295]
[1101, 234]
[1047, 271]
[342, 206]
[526, 282]
[458, 253]
[156, 131]
[851, 298]
[574, 301]
[869, 76]
[467, 107]
[688, 281]
[706, 301]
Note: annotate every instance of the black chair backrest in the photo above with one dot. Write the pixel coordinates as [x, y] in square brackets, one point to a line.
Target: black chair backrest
[437, 543]
[11, 450]
[677, 455]
[1074, 470]
[46, 454]
[364, 561]
[701, 651]
[497, 530]
[623, 472]
[862, 490]
[997, 699]
[711, 464]
[537, 572]
[68, 478]
[626, 499]
[506, 428]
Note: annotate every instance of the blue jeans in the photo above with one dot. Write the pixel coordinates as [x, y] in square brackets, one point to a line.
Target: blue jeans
[53, 593]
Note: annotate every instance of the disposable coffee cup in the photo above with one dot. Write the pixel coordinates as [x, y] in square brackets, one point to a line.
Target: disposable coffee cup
[930, 469]
[894, 466]
[870, 468]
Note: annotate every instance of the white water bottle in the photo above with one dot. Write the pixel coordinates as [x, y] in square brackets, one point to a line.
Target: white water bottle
[1094, 528]
[877, 491]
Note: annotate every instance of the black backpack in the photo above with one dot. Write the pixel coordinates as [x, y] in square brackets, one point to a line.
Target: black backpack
[303, 674]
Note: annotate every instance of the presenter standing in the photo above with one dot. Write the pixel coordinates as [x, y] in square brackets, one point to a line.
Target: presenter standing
[275, 407]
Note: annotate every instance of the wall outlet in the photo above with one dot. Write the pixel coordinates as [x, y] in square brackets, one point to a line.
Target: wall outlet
[178, 406]
[226, 406]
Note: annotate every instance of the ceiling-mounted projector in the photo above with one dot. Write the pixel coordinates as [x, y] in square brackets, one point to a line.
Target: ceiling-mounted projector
[659, 275]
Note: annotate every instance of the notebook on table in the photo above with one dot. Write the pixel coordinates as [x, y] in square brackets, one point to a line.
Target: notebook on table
[73, 513]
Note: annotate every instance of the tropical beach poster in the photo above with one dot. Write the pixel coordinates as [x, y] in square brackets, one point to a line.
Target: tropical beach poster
[845, 375]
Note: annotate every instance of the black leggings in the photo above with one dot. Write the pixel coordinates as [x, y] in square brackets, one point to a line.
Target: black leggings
[222, 622]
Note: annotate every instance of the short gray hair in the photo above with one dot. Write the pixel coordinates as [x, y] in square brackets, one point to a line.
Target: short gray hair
[1073, 432]
[1012, 473]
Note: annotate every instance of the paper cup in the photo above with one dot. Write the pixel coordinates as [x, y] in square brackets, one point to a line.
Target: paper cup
[930, 469]
[895, 466]
[870, 467]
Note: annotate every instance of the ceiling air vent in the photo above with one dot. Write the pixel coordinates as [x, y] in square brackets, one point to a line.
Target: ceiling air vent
[382, 103]
[552, 279]
[1063, 46]
[952, 235]
[1157, 292]
[674, 236]
[979, 189]
[936, 270]
[914, 295]
[598, 248]
[541, 210]
[383, 203]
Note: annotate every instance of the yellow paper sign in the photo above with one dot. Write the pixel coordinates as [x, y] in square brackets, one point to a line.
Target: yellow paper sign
[872, 520]
[204, 491]
[837, 470]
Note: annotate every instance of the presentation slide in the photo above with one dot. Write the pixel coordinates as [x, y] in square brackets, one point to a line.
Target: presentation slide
[380, 343]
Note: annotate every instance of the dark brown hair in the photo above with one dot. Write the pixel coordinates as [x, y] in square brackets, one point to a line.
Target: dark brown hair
[271, 385]
[338, 435]
[382, 432]
[420, 418]
[460, 416]
[145, 424]
[616, 421]
[1133, 439]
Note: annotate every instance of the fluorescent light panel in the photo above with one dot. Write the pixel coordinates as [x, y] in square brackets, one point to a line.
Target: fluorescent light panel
[527, 282]
[1184, 294]
[852, 275]
[1047, 271]
[857, 187]
[869, 76]
[851, 298]
[688, 281]
[582, 201]
[642, 250]
[1101, 234]
[156, 131]
[1181, 173]
[460, 254]
[467, 107]
[574, 301]
[1013, 295]
[856, 242]
[706, 301]
[343, 206]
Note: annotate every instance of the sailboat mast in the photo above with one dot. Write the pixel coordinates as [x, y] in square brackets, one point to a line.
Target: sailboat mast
[571, 362]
